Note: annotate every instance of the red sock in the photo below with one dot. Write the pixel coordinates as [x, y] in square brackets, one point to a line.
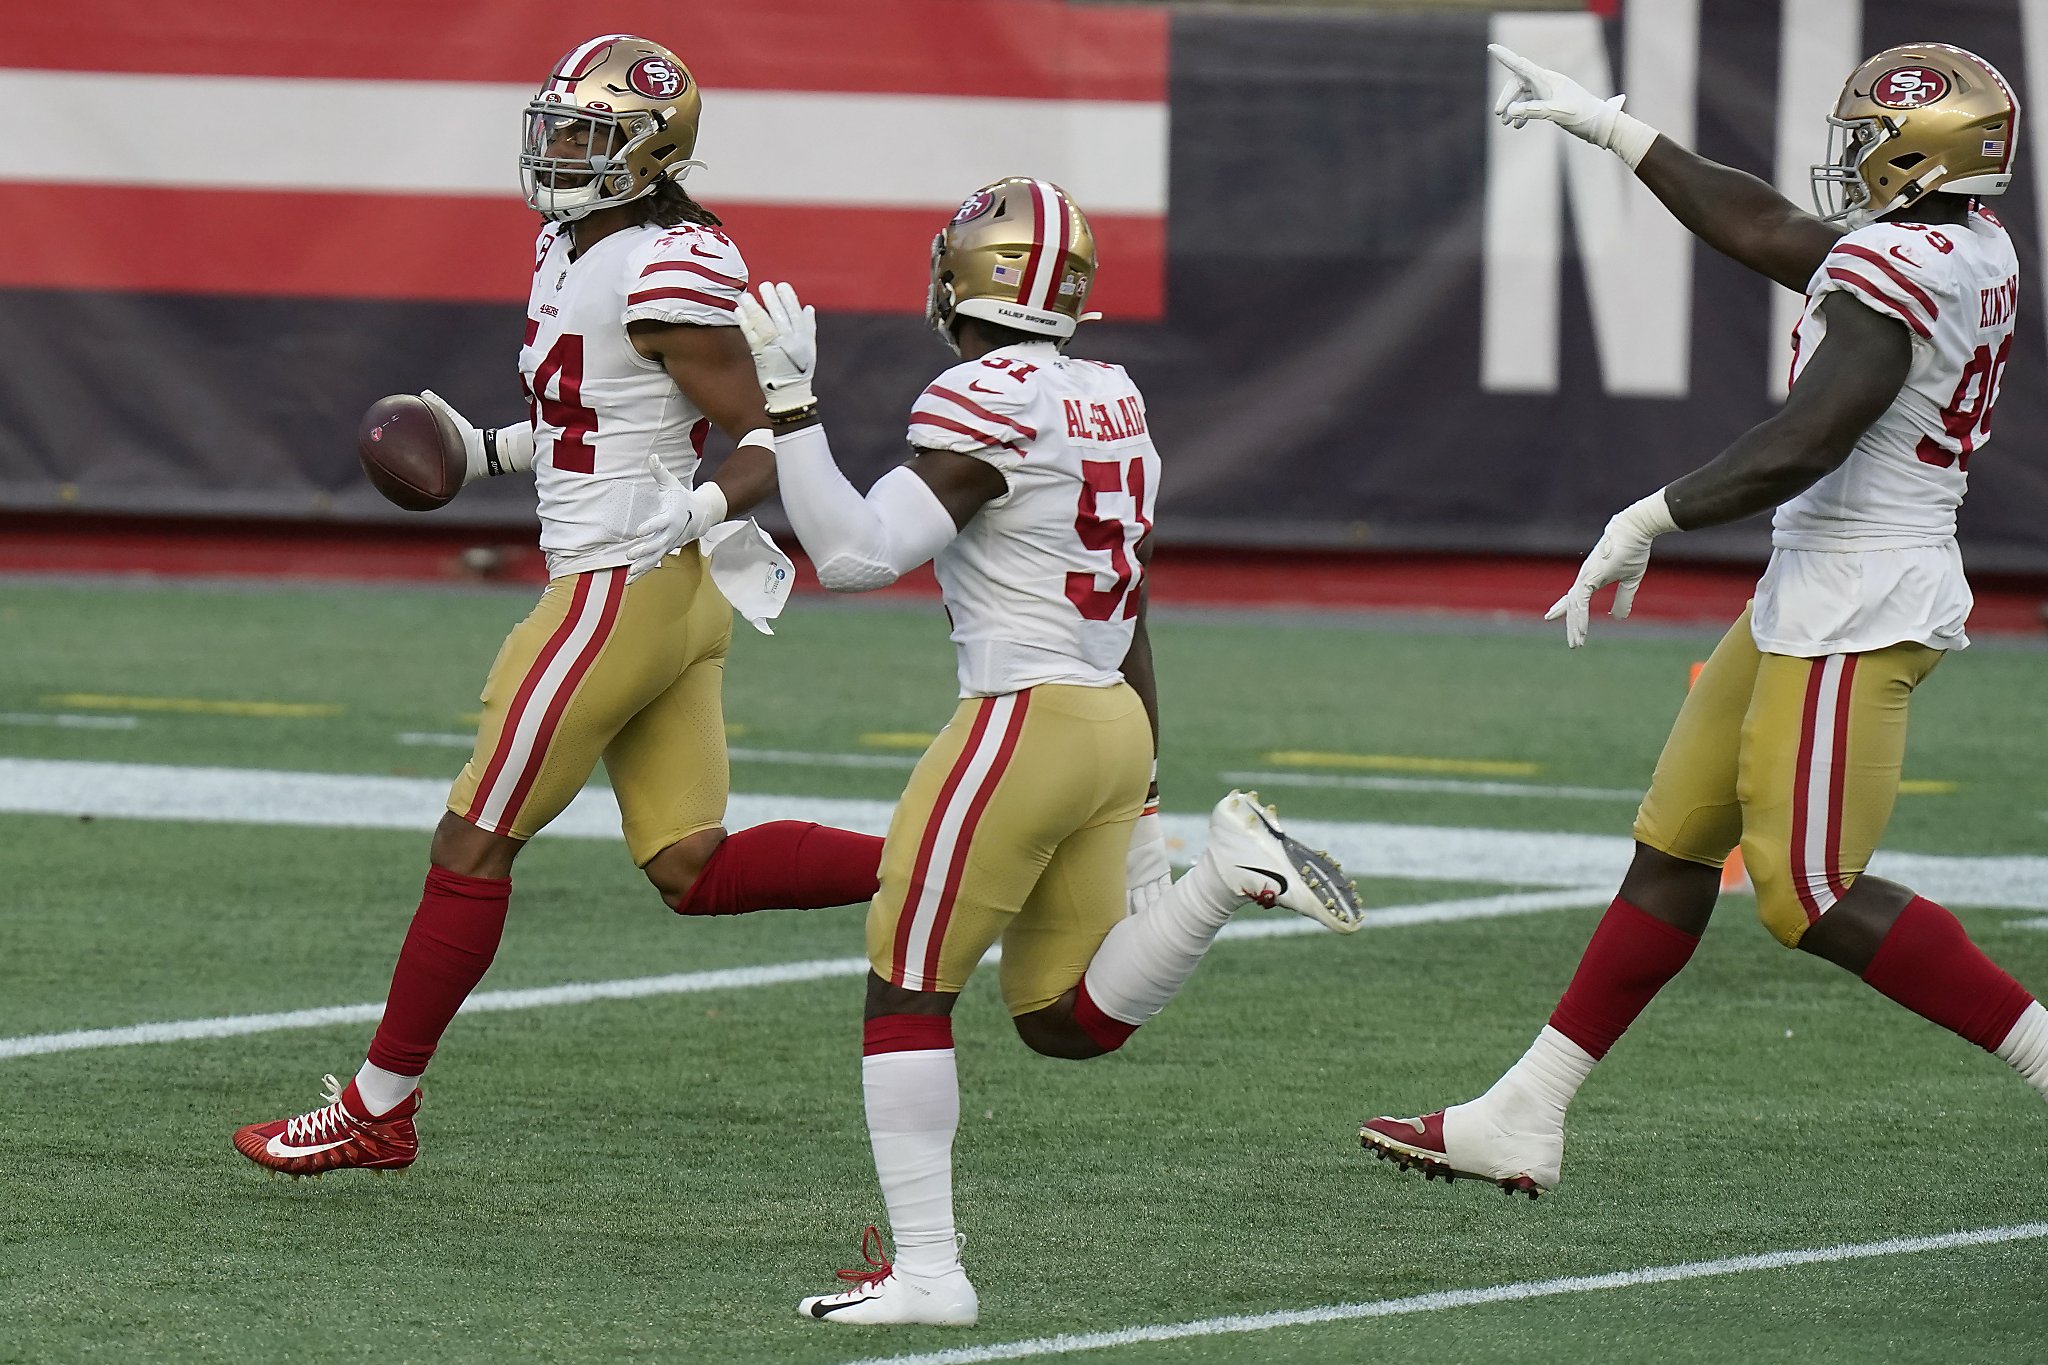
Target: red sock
[906, 1033]
[453, 938]
[786, 865]
[1109, 1034]
[1630, 958]
[1928, 964]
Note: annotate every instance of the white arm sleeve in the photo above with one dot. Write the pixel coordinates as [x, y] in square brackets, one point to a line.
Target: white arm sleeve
[857, 544]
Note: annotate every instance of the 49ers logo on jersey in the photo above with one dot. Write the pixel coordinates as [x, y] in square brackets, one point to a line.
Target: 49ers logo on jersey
[1909, 87]
[657, 78]
[974, 208]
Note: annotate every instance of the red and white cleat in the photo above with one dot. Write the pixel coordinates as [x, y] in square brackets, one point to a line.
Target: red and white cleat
[336, 1136]
[1468, 1140]
[881, 1295]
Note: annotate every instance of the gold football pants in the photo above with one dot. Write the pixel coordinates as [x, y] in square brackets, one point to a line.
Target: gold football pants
[1796, 759]
[1015, 826]
[602, 668]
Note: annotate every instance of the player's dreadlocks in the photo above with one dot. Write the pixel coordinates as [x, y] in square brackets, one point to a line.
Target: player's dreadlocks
[670, 205]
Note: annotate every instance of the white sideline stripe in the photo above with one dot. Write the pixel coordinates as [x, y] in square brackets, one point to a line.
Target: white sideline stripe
[1464, 1298]
[725, 978]
[437, 739]
[794, 758]
[803, 758]
[256, 796]
[65, 721]
[1457, 786]
[758, 146]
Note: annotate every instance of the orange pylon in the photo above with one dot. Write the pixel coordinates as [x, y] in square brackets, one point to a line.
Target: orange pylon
[1734, 876]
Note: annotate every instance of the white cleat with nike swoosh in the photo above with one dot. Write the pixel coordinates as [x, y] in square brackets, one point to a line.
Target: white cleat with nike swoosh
[1263, 863]
[879, 1295]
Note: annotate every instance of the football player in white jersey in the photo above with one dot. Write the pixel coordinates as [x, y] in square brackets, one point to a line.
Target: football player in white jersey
[631, 354]
[1031, 483]
[1791, 741]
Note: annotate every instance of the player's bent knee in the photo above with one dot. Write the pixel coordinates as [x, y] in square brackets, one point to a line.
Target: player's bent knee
[1777, 898]
[467, 851]
[675, 870]
[1053, 1032]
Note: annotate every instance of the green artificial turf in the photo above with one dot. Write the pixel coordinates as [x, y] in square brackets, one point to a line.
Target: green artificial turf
[661, 1179]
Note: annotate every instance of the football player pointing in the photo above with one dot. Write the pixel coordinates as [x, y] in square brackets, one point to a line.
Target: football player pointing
[1790, 744]
[1032, 485]
[631, 353]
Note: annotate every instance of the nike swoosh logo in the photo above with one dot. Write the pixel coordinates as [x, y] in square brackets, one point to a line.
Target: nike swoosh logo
[1267, 872]
[1904, 257]
[278, 1147]
[976, 386]
[819, 1310]
[696, 250]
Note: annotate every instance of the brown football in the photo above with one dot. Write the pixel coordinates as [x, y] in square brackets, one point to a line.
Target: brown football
[412, 453]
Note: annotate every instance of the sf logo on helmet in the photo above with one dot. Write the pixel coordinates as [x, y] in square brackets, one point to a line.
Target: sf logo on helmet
[656, 78]
[1909, 87]
[975, 207]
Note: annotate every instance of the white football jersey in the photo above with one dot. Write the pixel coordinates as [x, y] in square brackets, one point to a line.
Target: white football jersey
[1867, 556]
[600, 408]
[1042, 584]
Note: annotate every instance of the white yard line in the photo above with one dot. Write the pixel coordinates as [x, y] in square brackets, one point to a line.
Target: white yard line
[729, 978]
[256, 796]
[1238, 1324]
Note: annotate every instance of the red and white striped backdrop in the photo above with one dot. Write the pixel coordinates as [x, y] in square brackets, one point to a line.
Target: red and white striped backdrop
[368, 151]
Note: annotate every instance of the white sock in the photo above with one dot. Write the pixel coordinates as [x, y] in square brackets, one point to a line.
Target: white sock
[1546, 1078]
[383, 1091]
[913, 1103]
[1149, 956]
[2026, 1047]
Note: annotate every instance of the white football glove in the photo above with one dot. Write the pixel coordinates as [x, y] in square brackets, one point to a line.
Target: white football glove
[1621, 557]
[1540, 93]
[681, 515]
[783, 334]
[1147, 872]
[514, 445]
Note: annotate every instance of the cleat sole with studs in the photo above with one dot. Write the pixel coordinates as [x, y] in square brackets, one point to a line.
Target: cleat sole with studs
[1408, 1159]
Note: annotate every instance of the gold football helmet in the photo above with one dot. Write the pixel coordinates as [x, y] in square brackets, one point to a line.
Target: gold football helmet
[616, 117]
[1019, 253]
[1913, 120]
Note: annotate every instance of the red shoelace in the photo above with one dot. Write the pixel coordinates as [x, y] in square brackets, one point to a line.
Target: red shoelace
[873, 1252]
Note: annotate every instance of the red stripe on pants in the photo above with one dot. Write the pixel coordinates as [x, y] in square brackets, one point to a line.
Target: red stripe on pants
[957, 869]
[921, 869]
[1838, 778]
[510, 729]
[1801, 783]
[615, 593]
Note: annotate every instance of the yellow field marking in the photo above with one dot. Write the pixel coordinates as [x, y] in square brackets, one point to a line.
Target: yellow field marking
[1927, 787]
[1404, 763]
[737, 731]
[195, 706]
[897, 739]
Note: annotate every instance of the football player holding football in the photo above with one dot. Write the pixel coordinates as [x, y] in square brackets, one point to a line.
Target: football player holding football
[1029, 821]
[631, 354]
[1790, 744]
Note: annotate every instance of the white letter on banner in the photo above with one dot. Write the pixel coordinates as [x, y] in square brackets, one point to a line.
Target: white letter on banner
[1637, 260]
[1819, 44]
[2034, 56]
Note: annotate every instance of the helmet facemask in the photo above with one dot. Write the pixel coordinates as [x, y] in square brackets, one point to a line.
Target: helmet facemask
[938, 298]
[573, 161]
